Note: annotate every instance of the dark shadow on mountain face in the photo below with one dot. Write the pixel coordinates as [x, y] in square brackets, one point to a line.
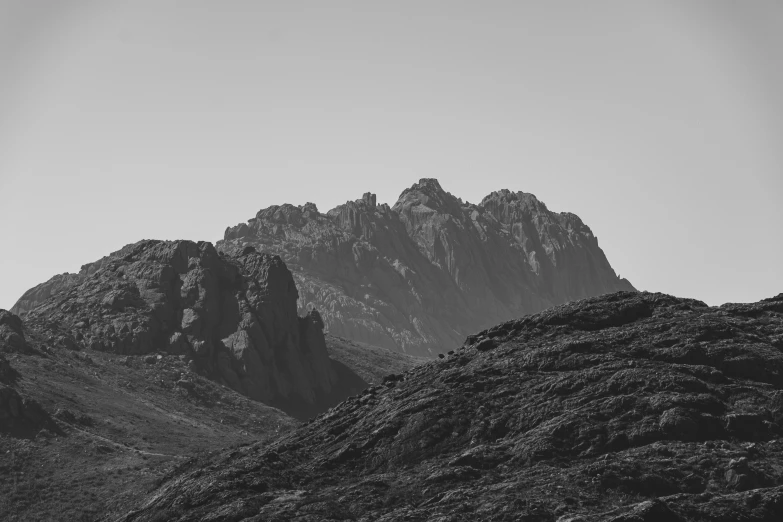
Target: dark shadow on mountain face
[22, 417]
[347, 384]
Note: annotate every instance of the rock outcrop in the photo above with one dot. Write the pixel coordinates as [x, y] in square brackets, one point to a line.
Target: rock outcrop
[235, 317]
[423, 274]
[627, 407]
[84, 432]
[12, 339]
[19, 415]
[7, 374]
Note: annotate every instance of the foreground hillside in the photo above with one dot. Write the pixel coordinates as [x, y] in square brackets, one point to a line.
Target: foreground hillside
[628, 407]
[421, 275]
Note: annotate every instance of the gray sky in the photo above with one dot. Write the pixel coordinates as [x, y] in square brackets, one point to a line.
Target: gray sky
[659, 123]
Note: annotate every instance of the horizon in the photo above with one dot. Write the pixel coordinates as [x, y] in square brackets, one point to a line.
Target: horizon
[658, 124]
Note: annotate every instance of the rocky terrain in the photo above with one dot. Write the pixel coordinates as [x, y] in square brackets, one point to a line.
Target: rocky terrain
[231, 318]
[19, 415]
[60, 282]
[83, 433]
[145, 358]
[626, 407]
[125, 372]
[421, 275]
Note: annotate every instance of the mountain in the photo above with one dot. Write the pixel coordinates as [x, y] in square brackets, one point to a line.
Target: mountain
[627, 407]
[150, 356]
[233, 318]
[421, 275]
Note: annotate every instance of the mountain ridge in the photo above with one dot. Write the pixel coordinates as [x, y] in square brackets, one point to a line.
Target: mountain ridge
[419, 276]
[422, 274]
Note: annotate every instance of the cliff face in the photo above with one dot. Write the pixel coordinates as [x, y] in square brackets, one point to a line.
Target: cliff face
[421, 275]
[234, 317]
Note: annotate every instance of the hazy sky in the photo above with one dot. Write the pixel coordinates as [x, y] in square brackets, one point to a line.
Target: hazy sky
[659, 123]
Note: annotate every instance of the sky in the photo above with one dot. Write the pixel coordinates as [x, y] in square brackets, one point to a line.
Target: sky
[659, 123]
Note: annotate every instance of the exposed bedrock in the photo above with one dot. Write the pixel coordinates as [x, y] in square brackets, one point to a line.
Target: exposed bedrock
[626, 407]
[421, 275]
[234, 316]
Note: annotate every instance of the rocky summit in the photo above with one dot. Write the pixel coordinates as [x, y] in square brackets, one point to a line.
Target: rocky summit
[421, 275]
[234, 318]
[627, 407]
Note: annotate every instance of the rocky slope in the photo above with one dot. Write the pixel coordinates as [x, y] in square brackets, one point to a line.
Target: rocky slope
[421, 275]
[233, 317]
[627, 407]
[19, 414]
[84, 433]
[38, 294]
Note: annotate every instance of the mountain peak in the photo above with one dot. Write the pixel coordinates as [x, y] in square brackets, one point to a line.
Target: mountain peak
[505, 196]
[369, 200]
[431, 269]
[428, 186]
[430, 183]
[428, 193]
